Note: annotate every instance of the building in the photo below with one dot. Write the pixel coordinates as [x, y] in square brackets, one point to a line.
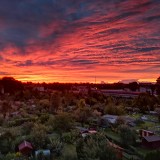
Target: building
[89, 132]
[43, 153]
[120, 93]
[144, 133]
[25, 148]
[108, 120]
[85, 131]
[151, 142]
[39, 88]
[79, 89]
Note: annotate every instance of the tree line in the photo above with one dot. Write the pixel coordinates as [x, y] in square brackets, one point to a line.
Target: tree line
[12, 85]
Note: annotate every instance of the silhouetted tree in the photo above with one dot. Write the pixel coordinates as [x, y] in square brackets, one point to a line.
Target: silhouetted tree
[158, 86]
[11, 85]
[133, 86]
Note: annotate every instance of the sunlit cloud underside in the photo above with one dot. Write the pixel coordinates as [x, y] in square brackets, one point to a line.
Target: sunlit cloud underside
[78, 40]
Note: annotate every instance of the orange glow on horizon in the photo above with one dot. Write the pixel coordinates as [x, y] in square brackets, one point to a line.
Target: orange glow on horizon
[76, 42]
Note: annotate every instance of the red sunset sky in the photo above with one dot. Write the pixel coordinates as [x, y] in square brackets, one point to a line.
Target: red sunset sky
[76, 40]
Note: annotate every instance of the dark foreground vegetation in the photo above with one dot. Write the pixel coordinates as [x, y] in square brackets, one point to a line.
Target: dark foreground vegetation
[79, 121]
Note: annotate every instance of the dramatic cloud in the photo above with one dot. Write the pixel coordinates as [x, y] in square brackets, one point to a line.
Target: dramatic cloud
[76, 40]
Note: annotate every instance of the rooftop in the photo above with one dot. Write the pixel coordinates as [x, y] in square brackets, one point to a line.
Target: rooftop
[25, 144]
[44, 152]
[153, 138]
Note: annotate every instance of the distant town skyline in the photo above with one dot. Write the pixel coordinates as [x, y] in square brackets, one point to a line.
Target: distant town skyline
[78, 40]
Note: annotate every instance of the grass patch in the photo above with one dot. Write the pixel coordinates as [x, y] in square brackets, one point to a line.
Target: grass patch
[136, 116]
[113, 136]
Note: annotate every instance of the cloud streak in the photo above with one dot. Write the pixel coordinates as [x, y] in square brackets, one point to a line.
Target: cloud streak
[76, 40]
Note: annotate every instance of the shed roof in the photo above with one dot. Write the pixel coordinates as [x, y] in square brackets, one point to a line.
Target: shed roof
[25, 144]
[153, 138]
[110, 118]
[44, 152]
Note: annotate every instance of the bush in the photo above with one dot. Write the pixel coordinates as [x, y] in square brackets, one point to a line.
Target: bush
[69, 156]
[62, 123]
[95, 147]
[56, 146]
[1, 120]
[70, 137]
[128, 136]
[44, 118]
[18, 122]
[26, 128]
[153, 155]
[39, 135]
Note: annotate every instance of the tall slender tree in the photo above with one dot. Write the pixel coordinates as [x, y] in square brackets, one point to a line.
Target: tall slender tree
[55, 102]
[158, 86]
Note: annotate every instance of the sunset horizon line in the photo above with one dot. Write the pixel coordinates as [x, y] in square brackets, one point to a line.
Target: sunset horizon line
[125, 81]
